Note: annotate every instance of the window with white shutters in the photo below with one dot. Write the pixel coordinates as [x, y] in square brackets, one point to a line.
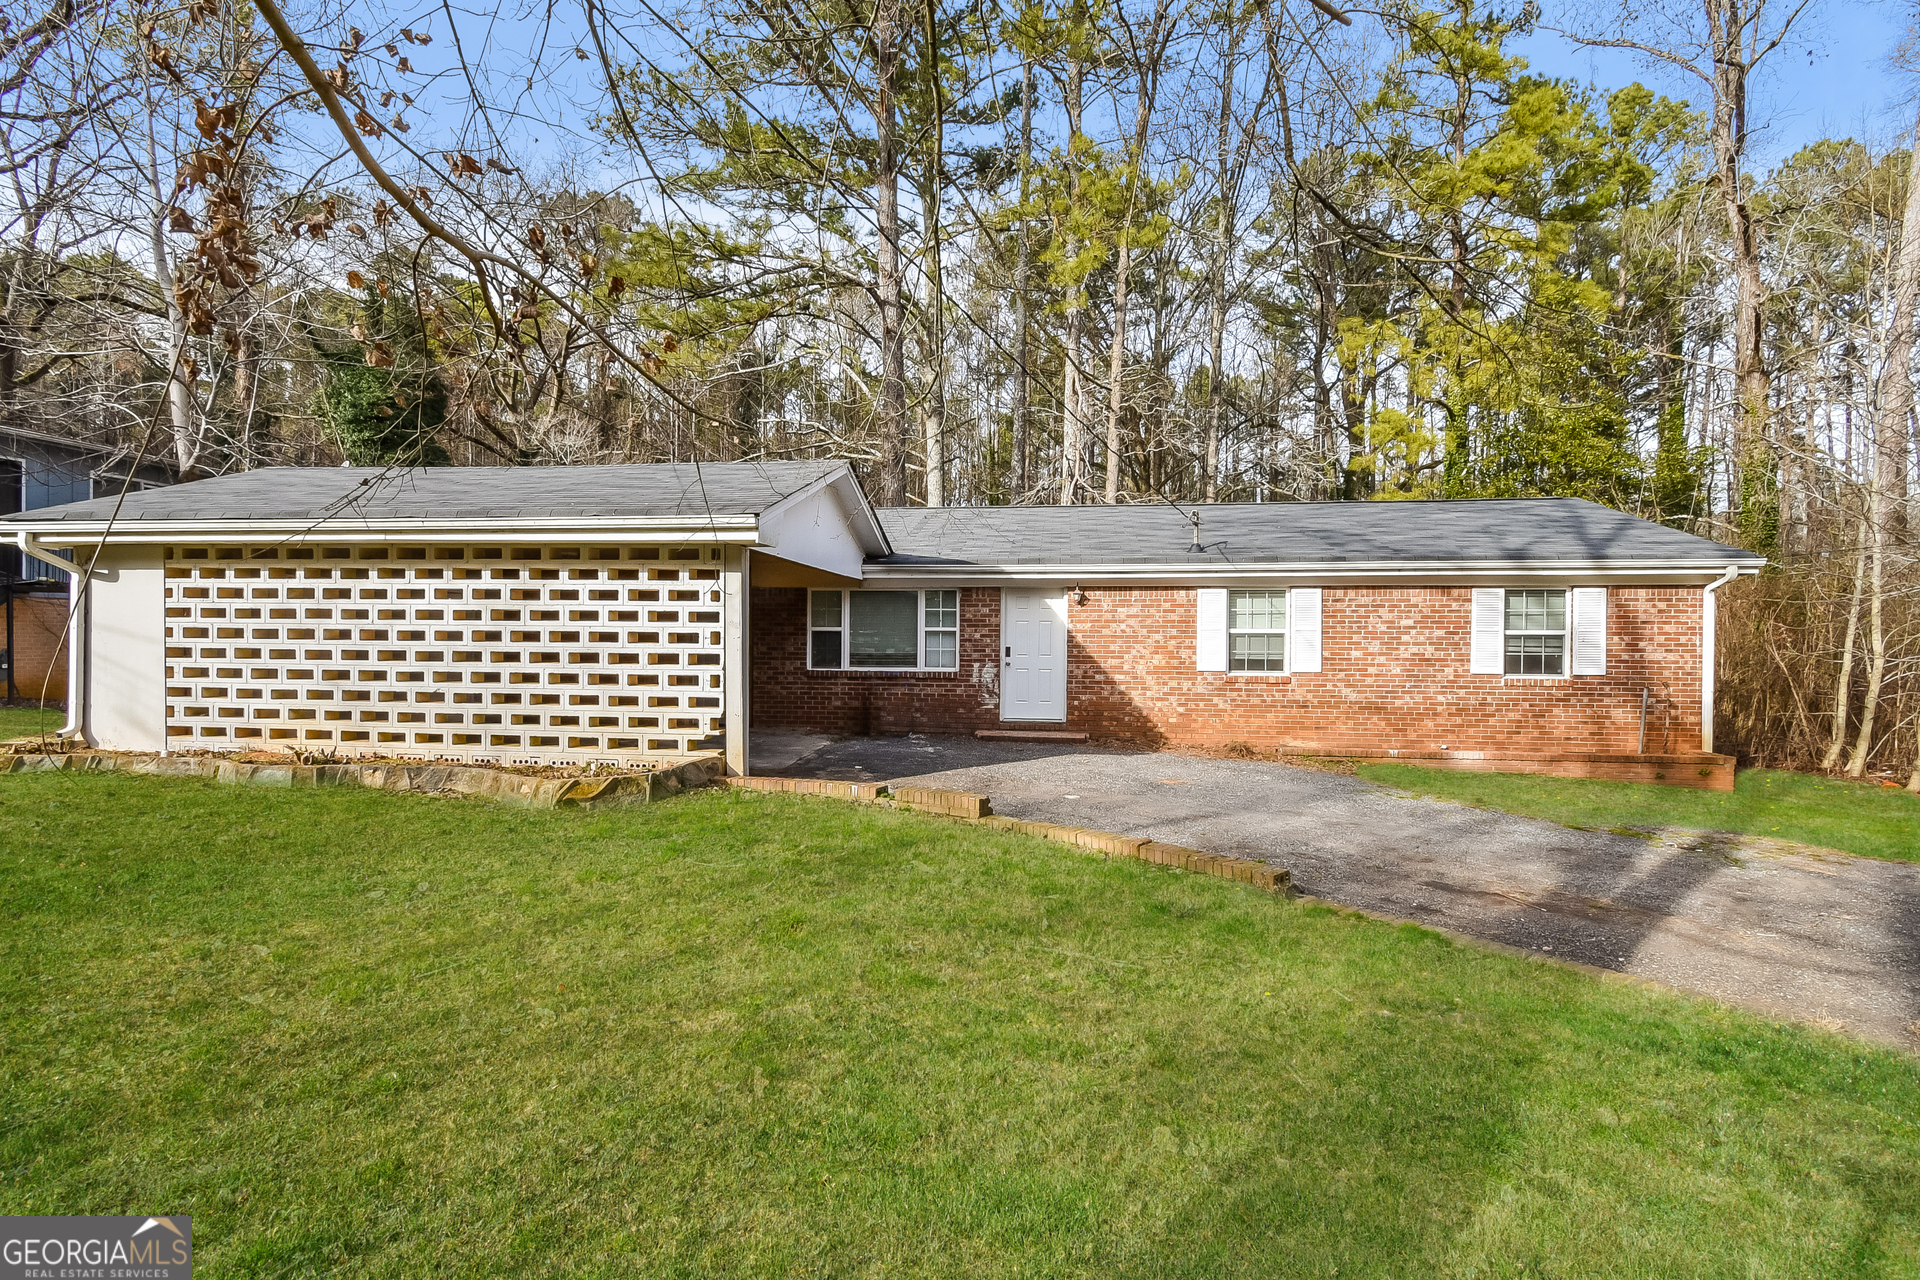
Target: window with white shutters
[1536, 633]
[1257, 631]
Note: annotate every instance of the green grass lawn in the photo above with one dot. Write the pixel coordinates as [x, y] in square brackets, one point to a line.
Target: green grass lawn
[18, 722]
[734, 1034]
[1856, 817]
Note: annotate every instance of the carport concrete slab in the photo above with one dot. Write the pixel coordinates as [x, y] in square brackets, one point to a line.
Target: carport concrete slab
[1786, 932]
[773, 750]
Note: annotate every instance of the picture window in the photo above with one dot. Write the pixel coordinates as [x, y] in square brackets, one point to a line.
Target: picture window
[884, 630]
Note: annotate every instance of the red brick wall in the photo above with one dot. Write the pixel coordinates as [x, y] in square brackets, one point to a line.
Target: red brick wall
[785, 694]
[39, 647]
[1394, 678]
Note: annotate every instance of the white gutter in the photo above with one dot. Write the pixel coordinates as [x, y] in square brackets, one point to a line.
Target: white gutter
[79, 616]
[1176, 574]
[1710, 650]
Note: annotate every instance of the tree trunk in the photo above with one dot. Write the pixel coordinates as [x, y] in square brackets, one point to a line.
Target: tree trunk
[1116, 364]
[1459, 436]
[1217, 274]
[1073, 434]
[1843, 686]
[892, 409]
[1022, 282]
[1896, 375]
[1149, 82]
[936, 448]
[179, 393]
[13, 338]
[1073, 442]
[936, 424]
[1887, 489]
[245, 382]
[1727, 130]
[1876, 658]
[1216, 351]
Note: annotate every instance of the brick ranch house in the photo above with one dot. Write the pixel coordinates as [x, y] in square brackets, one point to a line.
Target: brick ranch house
[625, 612]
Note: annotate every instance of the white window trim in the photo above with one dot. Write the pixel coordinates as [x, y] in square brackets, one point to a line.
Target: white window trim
[920, 633]
[1285, 632]
[1565, 633]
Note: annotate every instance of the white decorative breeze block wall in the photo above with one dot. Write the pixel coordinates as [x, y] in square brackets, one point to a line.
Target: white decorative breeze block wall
[501, 655]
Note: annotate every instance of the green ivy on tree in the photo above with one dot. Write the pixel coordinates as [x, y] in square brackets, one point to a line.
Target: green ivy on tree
[382, 399]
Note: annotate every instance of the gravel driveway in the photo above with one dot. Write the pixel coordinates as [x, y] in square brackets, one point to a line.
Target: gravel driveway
[1785, 931]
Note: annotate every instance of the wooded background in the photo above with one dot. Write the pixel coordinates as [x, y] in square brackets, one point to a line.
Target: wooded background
[1121, 251]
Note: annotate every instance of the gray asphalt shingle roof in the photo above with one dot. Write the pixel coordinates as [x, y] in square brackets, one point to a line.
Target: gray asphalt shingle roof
[1517, 529]
[307, 494]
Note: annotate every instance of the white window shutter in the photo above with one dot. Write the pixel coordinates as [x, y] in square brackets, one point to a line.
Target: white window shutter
[1210, 629]
[1587, 631]
[1303, 621]
[1487, 653]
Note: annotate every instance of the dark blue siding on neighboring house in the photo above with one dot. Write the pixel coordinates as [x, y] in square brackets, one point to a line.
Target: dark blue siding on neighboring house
[46, 471]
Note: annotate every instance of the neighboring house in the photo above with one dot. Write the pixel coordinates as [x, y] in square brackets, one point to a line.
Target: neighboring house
[544, 615]
[38, 471]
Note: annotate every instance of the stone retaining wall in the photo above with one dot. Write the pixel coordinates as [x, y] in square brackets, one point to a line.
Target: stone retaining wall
[432, 779]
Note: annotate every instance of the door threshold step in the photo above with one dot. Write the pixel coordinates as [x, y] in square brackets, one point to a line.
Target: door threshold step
[1028, 735]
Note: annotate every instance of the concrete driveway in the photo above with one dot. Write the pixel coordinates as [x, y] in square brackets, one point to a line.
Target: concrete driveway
[1784, 931]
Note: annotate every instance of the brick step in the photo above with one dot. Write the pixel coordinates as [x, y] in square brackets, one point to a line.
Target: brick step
[810, 787]
[1701, 770]
[1028, 735]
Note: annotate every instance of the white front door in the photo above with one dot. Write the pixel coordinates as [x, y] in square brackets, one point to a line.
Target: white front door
[1033, 655]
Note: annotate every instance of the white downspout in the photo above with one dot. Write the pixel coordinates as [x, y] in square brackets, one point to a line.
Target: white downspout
[736, 578]
[1709, 652]
[78, 621]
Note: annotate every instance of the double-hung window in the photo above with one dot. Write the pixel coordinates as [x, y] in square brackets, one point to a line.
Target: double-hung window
[1257, 631]
[1536, 633]
[884, 630]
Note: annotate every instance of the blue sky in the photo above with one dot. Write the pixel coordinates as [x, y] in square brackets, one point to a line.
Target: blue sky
[1834, 81]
